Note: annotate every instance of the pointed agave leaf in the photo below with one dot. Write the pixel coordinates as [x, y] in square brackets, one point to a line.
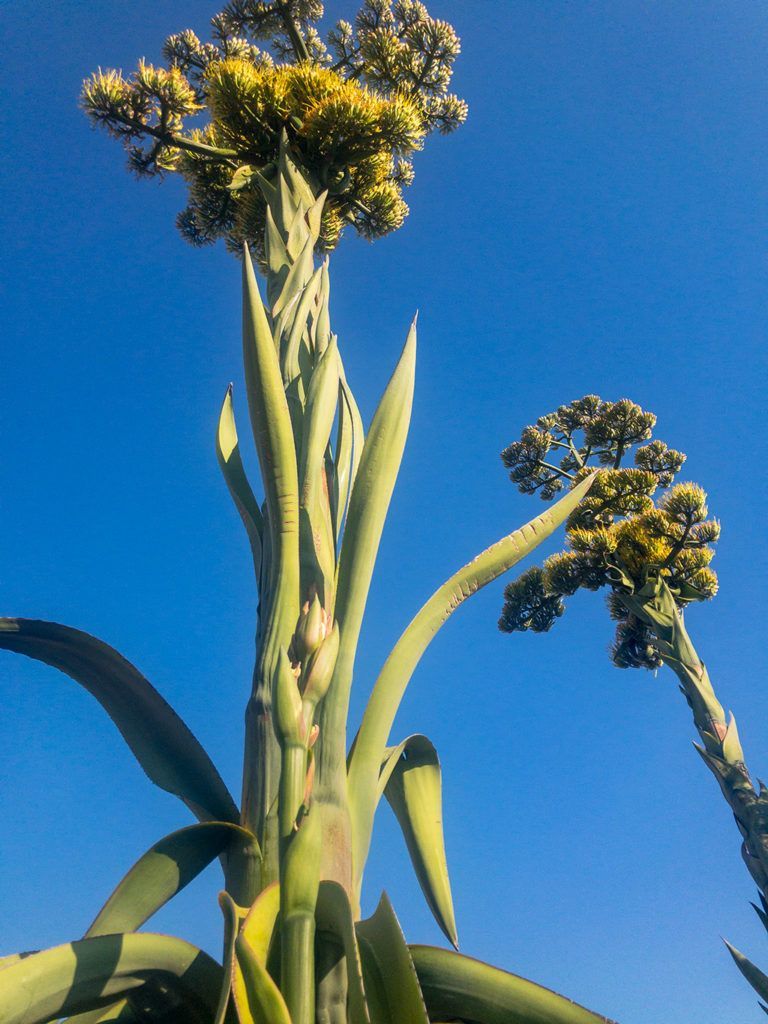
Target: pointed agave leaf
[349, 447]
[371, 494]
[270, 418]
[410, 779]
[457, 986]
[259, 924]
[163, 871]
[263, 1003]
[231, 914]
[290, 355]
[371, 741]
[231, 463]
[333, 914]
[318, 560]
[394, 995]
[162, 744]
[273, 435]
[91, 973]
[256, 931]
[754, 975]
[297, 276]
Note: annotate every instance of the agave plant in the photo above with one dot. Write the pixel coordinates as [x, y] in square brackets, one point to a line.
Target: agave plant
[293, 853]
[648, 542]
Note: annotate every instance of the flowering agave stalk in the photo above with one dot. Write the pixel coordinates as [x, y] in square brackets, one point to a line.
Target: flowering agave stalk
[647, 541]
[293, 853]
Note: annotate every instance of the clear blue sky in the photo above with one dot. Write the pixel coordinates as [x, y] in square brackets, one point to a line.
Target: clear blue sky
[600, 224]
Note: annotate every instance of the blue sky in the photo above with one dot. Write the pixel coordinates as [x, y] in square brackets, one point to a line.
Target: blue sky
[599, 225]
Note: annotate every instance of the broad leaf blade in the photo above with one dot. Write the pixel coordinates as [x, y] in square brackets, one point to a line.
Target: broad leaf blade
[371, 741]
[390, 979]
[456, 986]
[412, 784]
[84, 975]
[163, 871]
[162, 744]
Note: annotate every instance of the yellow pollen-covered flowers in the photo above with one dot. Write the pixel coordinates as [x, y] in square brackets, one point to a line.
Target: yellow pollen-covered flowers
[351, 121]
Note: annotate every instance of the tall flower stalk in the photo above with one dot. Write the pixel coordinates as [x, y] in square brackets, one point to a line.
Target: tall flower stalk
[288, 153]
[647, 542]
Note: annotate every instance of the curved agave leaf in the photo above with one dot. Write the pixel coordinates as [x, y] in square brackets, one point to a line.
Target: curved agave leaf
[88, 974]
[256, 930]
[411, 781]
[119, 1011]
[259, 924]
[163, 871]
[754, 975]
[457, 986]
[333, 915]
[391, 985]
[263, 1003]
[370, 744]
[162, 744]
[231, 463]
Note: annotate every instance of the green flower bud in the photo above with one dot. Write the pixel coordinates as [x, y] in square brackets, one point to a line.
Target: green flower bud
[289, 720]
[319, 670]
[311, 629]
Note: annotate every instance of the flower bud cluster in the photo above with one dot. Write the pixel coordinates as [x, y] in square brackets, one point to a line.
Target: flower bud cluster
[624, 532]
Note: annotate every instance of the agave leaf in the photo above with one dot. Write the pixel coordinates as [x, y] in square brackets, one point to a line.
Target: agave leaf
[162, 744]
[321, 327]
[371, 494]
[394, 995]
[299, 274]
[163, 871]
[333, 915]
[263, 1003]
[278, 261]
[290, 357]
[118, 1011]
[231, 914]
[231, 463]
[349, 447]
[92, 973]
[370, 744]
[270, 420]
[259, 924]
[256, 929]
[458, 986]
[318, 561]
[411, 781]
[754, 975]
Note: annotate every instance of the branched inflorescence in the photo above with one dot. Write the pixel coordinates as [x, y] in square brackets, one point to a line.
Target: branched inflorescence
[354, 108]
[635, 525]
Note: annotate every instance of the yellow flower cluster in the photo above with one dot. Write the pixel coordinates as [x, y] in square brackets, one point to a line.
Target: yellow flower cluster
[349, 140]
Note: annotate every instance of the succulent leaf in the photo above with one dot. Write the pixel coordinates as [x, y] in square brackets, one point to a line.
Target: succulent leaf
[162, 744]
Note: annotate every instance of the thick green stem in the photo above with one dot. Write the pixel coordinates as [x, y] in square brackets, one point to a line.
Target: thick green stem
[293, 775]
[260, 780]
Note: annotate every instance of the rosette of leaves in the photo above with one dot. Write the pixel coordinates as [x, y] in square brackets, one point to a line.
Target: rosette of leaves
[354, 109]
[636, 525]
